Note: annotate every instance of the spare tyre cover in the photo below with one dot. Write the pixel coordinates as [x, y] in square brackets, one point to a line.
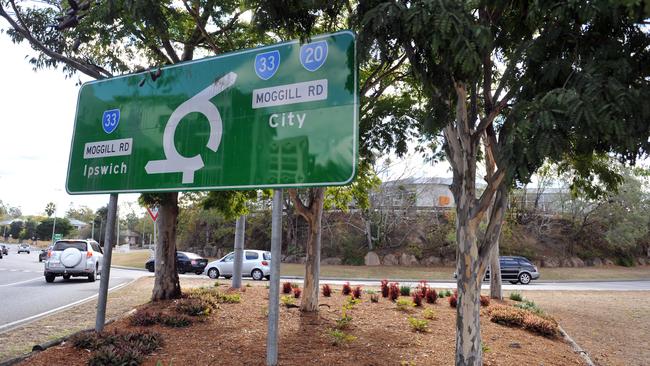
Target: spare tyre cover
[71, 257]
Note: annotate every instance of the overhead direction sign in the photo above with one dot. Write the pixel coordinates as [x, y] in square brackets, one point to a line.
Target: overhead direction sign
[279, 116]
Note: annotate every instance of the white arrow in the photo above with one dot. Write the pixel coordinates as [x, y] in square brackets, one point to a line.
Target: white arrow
[175, 162]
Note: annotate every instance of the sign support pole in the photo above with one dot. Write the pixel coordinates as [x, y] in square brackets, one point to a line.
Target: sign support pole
[100, 320]
[274, 288]
[240, 229]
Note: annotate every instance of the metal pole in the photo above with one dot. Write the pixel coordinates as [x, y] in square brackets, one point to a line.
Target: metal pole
[93, 232]
[106, 264]
[240, 227]
[274, 290]
[53, 227]
[101, 223]
[117, 221]
[143, 222]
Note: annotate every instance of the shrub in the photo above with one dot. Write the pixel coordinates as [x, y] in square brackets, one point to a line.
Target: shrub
[431, 296]
[441, 294]
[194, 307]
[417, 298]
[113, 348]
[346, 289]
[384, 288]
[327, 290]
[115, 355]
[404, 304]
[516, 296]
[351, 302]
[340, 337]
[230, 298]
[429, 314]
[356, 293]
[296, 292]
[175, 320]
[294, 285]
[542, 326]
[286, 288]
[288, 301]
[423, 288]
[85, 340]
[405, 290]
[418, 325]
[344, 321]
[453, 300]
[374, 298]
[144, 318]
[485, 300]
[393, 291]
[507, 315]
[530, 306]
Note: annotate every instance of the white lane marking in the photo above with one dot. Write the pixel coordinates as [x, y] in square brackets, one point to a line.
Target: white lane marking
[8, 326]
[19, 282]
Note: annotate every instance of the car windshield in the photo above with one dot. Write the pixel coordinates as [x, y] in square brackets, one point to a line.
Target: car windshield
[63, 245]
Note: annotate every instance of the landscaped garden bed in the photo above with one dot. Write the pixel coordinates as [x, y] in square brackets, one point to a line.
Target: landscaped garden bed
[216, 326]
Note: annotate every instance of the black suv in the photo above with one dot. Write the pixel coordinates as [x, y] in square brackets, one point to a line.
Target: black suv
[516, 269]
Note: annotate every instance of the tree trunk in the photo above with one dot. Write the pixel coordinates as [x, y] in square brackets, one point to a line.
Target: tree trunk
[495, 274]
[313, 214]
[166, 285]
[368, 225]
[468, 325]
[240, 228]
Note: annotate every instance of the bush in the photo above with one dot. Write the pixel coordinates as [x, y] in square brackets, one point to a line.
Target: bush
[542, 326]
[485, 300]
[230, 298]
[418, 325]
[346, 289]
[429, 314]
[144, 318]
[516, 296]
[115, 355]
[86, 340]
[339, 337]
[374, 298]
[405, 290]
[431, 296]
[351, 302]
[393, 291]
[296, 292]
[507, 315]
[327, 290]
[530, 305]
[356, 293]
[294, 285]
[404, 304]
[423, 288]
[453, 300]
[286, 288]
[288, 301]
[417, 298]
[175, 320]
[194, 307]
[384, 288]
[344, 321]
[115, 348]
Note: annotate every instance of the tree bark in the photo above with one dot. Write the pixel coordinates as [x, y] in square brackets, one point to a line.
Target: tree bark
[496, 291]
[166, 285]
[240, 228]
[313, 214]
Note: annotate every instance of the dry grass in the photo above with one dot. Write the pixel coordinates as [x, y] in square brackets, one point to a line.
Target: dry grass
[134, 258]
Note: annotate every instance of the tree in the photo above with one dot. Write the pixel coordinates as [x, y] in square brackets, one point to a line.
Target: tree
[82, 213]
[44, 229]
[540, 80]
[50, 208]
[108, 38]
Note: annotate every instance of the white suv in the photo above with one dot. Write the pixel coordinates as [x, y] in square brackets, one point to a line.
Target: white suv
[79, 258]
[256, 264]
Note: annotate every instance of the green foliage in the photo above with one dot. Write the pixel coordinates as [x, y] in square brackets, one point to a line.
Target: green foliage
[288, 301]
[529, 305]
[340, 338]
[50, 208]
[230, 204]
[404, 304]
[44, 229]
[429, 314]
[418, 325]
[344, 321]
[117, 348]
[405, 290]
[194, 307]
[357, 192]
[175, 320]
[516, 296]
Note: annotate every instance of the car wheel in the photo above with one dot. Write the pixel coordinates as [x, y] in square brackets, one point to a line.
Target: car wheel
[199, 272]
[257, 275]
[213, 273]
[40, 259]
[514, 282]
[66, 277]
[151, 268]
[92, 276]
[524, 278]
[181, 271]
[49, 278]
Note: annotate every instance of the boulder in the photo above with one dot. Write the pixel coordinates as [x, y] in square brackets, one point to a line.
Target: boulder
[641, 261]
[390, 260]
[550, 263]
[432, 261]
[371, 259]
[332, 261]
[576, 262]
[594, 262]
[408, 260]
[608, 262]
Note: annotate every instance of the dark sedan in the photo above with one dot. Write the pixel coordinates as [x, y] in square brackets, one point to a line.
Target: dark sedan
[42, 255]
[185, 262]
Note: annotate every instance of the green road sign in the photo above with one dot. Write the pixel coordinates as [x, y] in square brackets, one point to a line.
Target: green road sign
[58, 237]
[273, 117]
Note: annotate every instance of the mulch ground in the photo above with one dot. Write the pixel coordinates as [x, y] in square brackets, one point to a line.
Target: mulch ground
[235, 334]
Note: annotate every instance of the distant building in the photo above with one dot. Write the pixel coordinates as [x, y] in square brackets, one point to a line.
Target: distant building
[77, 224]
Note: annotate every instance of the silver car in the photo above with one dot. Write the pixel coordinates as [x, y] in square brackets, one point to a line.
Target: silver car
[79, 258]
[256, 264]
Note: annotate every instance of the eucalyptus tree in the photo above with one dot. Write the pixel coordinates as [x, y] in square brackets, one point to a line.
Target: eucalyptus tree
[104, 39]
[538, 80]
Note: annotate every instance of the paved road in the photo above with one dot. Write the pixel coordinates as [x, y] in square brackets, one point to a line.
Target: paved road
[24, 294]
